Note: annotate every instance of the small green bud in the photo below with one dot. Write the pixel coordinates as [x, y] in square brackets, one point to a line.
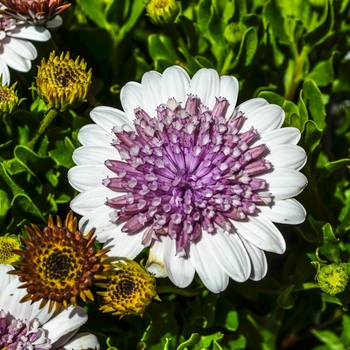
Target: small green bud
[233, 33]
[332, 278]
[8, 99]
[162, 11]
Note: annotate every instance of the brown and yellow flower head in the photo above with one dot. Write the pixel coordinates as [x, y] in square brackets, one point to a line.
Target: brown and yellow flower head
[8, 99]
[59, 263]
[62, 82]
[34, 11]
[129, 289]
[8, 243]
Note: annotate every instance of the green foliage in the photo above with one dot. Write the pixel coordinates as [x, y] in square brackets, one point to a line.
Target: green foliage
[291, 53]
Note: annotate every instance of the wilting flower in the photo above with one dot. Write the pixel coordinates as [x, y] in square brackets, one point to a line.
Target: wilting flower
[8, 243]
[25, 326]
[162, 11]
[332, 278]
[9, 100]
[16, 51]
[36, 12]
[129, 289]
[59, 264]
[190, 175]
[62, 82]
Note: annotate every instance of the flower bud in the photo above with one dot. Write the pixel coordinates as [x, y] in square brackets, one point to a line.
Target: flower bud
[233, 33]
[130, 288]
[8, 99]
[162, 11]
[62, 82]
[332, 278]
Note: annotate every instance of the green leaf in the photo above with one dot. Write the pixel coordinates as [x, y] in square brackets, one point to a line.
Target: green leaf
[310, 137]
[5, 206]
[94, 9]
[211, 340]
[345, 336]
[247, 49]
[329, 247]
[226, 315]
[314, 103]
[338, 164]
[4, 176]
[195, 342]
[285, 299]
[203, 62]
[329, 338]
[322, 74]
[272, 97]
[23, 207]
[161, 48]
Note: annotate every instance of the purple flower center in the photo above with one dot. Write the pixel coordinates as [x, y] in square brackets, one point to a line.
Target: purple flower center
[185, 171]
[22, 334]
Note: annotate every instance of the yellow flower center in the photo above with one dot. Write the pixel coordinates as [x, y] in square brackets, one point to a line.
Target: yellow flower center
[9, 243]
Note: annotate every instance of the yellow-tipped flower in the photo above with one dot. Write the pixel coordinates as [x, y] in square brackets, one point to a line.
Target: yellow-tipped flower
[59, 263]
[62, 82]
[8, 243]
[130, 288]
[162, 11]
[9, 100]
[332, 278]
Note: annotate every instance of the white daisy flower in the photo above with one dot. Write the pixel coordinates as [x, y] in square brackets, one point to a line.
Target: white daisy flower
[187, 173]
[25, 326]
[16, 51]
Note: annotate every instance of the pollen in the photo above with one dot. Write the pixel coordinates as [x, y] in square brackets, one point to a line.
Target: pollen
[129, 289]
[59, 264]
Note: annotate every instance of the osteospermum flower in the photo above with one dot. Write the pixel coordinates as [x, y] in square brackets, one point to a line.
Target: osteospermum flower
[59, 264]
[36, 12]
[9, 100]
[190, 175]
[62, 82]
[129, 289]
[16, 51]
[25, 326]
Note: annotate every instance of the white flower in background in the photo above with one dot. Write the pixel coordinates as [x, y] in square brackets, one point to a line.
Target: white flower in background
[24, 326]
[190, 175]
[16, 51]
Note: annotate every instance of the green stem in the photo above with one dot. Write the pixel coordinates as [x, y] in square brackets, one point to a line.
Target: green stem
[179, 291]
[227, 62]
[192, 65]
[49, 117]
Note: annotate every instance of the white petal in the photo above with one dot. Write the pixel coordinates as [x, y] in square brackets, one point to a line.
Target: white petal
[108, 117]
[131, 98]
[208, 269]
[180, 269]
[279, 137]
[5, 278]
[54, 23]
[258, 260]
[151, 92]
[261, 232]
[155, 261]
[23, 48]
[175, 83]
[284, 183]
[94, 135]
[14, 60]
[264, 119]
[100, 219]
[95, 155]
[68, 320]
[89, 200]
[230, 253]
[124, 245]
[251, 105]
[287, 211]
[82, 341]
[287, 156]
[229, 88]
[206, 85]
[29, 32]
[84, 177]
[5, 72]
